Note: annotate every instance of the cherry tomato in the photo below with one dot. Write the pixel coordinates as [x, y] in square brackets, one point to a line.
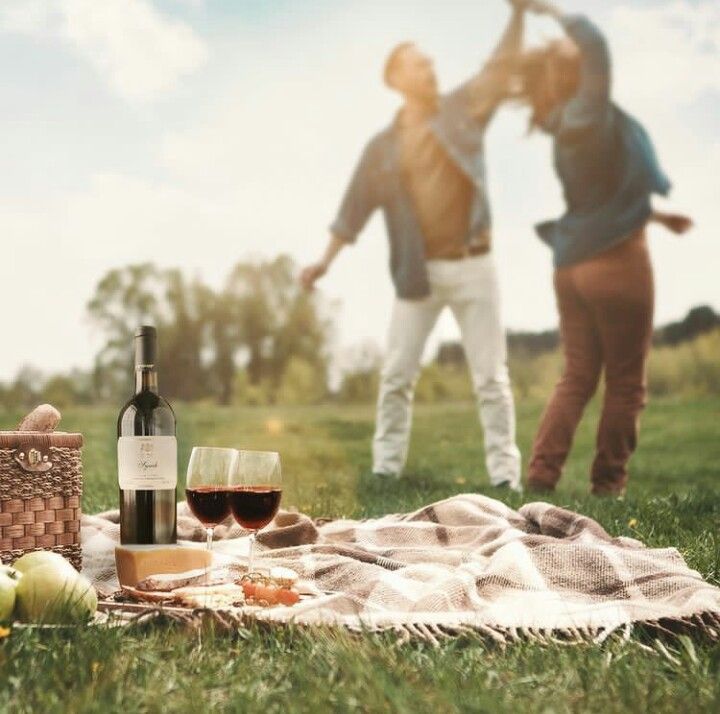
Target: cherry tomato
[288, 597]
[268, 593]
[249, 589]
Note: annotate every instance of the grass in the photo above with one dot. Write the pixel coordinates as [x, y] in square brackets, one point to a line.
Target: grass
[674, 499]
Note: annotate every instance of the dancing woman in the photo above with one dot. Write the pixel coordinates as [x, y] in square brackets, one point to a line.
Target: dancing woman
[603, 276]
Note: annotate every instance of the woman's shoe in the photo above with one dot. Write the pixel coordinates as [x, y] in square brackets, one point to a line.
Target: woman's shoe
[608, 491]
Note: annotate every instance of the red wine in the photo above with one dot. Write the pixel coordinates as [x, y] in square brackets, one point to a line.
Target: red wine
[209, 504]
[147, 454]
[254, 506]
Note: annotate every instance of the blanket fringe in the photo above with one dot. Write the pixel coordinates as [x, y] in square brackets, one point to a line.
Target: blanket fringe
[648, 635]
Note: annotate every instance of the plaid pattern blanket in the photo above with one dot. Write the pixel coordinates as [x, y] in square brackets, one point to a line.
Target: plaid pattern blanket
[465, 563]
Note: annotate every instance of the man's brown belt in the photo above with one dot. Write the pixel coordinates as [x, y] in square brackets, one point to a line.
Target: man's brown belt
[469, 252]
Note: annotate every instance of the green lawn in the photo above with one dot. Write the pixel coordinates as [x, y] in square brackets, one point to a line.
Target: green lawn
[673, 499]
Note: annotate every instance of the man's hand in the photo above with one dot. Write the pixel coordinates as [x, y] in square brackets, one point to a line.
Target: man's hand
[311, 274]
[520, 5]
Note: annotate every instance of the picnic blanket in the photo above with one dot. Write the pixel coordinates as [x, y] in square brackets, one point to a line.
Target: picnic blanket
[467, 563]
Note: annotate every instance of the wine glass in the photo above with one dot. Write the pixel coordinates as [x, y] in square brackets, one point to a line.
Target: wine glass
[206, 489]
[255, 491]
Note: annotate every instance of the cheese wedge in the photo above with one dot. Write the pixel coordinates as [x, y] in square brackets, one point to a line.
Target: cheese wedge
[137, 562]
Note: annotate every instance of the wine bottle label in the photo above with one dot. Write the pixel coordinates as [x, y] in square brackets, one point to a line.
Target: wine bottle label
[147, 462]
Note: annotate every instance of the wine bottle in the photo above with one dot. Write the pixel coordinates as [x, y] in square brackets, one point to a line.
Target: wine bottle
[147, 454]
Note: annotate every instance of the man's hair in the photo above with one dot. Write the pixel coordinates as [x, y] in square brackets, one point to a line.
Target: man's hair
[392, 61]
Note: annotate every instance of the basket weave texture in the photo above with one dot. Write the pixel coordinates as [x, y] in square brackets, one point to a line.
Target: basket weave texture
[40, 509]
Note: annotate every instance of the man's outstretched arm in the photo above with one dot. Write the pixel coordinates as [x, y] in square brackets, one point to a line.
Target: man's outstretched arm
[359, 202]
[510, 43]
[492, 84]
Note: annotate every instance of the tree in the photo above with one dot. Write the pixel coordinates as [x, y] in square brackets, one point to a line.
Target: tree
[698, 321]
[124, 299]
[276, 319]
[262, 315]
[183, 338]
[25, 390]
[65, 390]
[360, 372]
[143, 294]
[220, 341]
[301, 383]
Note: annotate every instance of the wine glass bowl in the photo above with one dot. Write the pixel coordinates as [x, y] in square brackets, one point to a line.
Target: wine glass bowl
[206, 490]
[255, 490]
[254, 506]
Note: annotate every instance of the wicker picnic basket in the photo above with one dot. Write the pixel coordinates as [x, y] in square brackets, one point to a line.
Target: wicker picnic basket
[40, 491]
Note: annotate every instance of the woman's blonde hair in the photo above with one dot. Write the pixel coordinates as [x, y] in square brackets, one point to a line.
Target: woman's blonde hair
[548, 78]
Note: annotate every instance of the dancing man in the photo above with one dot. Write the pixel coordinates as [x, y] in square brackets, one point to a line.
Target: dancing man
[426, 171]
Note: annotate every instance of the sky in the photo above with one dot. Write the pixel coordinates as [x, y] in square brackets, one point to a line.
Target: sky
[195, 133]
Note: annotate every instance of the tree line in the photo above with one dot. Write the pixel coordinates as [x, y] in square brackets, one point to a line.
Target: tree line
[698, 321]
[247, 336]
[260, 339]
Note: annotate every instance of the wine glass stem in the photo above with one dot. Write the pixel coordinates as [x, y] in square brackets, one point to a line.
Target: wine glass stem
[251, 552]
[209, 534]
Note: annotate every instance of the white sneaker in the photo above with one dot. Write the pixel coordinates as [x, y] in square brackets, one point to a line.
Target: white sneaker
[509, 486]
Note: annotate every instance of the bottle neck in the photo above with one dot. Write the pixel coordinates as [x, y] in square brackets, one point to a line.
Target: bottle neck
[146, 379]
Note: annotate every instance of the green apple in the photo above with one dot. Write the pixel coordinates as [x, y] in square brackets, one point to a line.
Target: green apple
[7, 595]
[36, 558]
[55, 595]
[10, 571]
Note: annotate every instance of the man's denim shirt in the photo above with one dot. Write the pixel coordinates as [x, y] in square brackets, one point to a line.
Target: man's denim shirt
[377, 183]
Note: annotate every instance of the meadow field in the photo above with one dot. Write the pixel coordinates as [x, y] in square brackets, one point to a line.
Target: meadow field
[673, 499]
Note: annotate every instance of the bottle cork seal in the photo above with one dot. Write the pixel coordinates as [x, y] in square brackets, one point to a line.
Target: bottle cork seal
[43, 418]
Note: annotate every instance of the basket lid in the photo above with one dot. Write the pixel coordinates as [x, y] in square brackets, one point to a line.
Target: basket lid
[39, 439]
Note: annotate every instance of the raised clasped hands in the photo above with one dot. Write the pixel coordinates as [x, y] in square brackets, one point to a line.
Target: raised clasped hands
[538, 7]
[541, 7]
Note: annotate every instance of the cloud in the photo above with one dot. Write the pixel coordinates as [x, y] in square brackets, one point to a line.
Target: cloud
[667, 72]
[27, 17]
[259, 165]
[136, 50]
[671, 51]
[62, 246]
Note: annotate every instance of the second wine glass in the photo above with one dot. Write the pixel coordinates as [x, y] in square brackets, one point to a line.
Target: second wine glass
[255, 492]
